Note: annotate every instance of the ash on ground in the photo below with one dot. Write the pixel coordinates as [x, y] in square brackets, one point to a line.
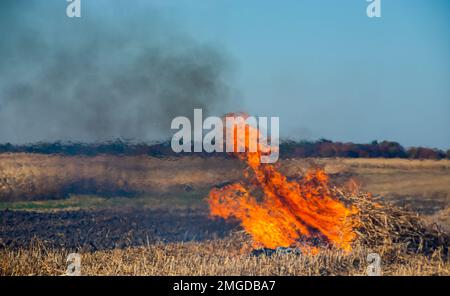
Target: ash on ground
[277, 251]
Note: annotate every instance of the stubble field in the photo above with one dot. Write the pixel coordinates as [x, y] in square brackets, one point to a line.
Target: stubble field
[144, 215]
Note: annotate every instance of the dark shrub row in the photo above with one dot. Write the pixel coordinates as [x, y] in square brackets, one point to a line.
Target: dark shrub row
[321, 148]
[385, 149]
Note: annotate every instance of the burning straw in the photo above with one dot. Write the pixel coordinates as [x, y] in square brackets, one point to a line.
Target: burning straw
[376, 224]
[383, 224]
[309, 213]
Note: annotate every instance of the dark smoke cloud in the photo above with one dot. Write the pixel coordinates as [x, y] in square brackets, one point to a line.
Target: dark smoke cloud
[117, 72]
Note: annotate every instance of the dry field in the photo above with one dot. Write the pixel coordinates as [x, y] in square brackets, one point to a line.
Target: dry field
[37, 177]
[215, 257]
[422, 185]
[147, 216]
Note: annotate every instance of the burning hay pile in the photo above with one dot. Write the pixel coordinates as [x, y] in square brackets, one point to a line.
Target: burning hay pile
[375, 224]
[310, 213]
[383, 224]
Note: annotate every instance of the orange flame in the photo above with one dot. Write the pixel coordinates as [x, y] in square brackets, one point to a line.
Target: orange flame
[288, 211]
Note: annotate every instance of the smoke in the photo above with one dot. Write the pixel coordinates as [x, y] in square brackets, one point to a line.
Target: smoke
[121, 70]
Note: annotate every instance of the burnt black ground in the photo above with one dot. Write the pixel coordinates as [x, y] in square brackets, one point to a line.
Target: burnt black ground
[107, 229]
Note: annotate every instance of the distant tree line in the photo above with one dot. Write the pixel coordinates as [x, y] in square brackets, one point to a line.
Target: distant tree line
[384, 149]
[117, 147]
[321, 148]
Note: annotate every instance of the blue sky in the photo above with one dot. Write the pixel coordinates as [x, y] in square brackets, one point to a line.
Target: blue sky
[330, 71]
[323, 66]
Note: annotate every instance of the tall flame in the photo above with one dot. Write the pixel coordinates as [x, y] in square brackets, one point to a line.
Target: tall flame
[287, 211]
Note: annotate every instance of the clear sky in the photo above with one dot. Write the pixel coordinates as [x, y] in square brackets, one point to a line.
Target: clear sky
[323, 66]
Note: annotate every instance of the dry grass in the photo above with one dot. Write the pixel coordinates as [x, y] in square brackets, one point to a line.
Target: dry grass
[35, 176]
[218, 257]
[422, 185]
[407, 245]
[440, 218]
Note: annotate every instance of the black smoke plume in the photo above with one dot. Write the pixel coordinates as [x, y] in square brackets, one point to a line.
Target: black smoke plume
[121, 71]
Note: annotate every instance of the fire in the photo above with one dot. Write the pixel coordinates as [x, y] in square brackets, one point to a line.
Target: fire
[278, 212]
